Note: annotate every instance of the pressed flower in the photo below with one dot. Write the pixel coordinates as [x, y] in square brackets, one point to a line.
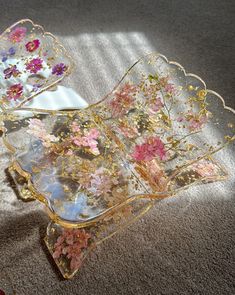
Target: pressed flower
[5, 54]
[70, 244]
[102, 182]
[170, 89]
[127, 130]
[11, 51]
[123, 100]
[163, 81]
[36, 87]
[88, 139]
[17, 35]
[59, 69]
[196, 121]
[11, 71]
[15, 91]
[75, 127]
[32, 45]
[205, 168]
[152, 172]
[155, 105]
[34, 65]
[152, 147]
[37, 128]
[97, 181]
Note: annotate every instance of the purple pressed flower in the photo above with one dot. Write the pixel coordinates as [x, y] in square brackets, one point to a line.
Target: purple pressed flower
[11, 71]
[5, 54]
[36, 87]
[59, 69]
[11, 51]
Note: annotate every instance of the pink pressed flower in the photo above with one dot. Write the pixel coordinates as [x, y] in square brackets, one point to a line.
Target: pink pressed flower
[170, 88]
[15, 91]
[101, 182]
[128, 89]
[163, 81]
[17, 35]
[71, 244]
[156, 175]
[196, 123]
[75, 127]
[34, 65]
[11, 71]
[147, 151]
[155, 105]
[32, 45]
[89, 139]
[93, 133]
[123, 100]
[37, 128]
[205, 168]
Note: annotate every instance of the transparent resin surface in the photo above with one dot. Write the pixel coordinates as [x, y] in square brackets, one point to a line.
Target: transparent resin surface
[100, 168]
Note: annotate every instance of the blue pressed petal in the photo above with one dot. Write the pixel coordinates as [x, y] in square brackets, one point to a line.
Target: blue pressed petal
[11, 51]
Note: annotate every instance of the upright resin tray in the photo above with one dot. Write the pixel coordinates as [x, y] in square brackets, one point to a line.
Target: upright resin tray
[99, 169]
[31, 60]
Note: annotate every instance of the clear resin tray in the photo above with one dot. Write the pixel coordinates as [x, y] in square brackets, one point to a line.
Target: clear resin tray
[99, 169]
[31, 60]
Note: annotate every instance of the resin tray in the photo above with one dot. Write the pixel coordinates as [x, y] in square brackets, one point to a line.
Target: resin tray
[31, 60]
[99, 169]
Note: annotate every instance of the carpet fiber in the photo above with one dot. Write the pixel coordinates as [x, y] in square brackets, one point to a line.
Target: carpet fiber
[185, 244]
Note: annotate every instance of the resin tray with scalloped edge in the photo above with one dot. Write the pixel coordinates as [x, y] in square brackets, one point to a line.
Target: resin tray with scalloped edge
[154, 135]
[31, 60]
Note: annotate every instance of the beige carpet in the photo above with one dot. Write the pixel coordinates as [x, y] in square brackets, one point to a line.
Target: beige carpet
[185, 244]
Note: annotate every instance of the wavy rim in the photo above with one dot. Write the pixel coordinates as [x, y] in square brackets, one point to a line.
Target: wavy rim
[56, 42]
[157, 195]
[156, 54]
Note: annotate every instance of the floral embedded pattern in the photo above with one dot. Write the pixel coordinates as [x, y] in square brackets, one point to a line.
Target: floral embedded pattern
[83, 157]
[152, 136]
[29, 57]
[71, 245]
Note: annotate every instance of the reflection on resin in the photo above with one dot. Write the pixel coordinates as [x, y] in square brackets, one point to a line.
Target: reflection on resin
[100, 168]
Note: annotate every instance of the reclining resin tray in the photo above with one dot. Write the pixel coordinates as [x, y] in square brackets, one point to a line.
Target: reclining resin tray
[31, 60]
[99, 169]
